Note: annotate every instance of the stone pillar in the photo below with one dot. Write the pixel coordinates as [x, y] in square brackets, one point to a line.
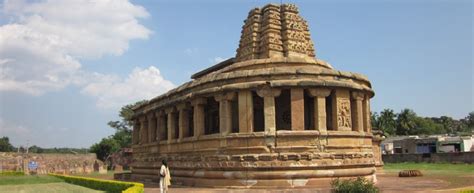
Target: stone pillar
[162, 127]
[245, 111]
[159, 125]
[225, 112]
[367, 115]
[143, 130]
[297, 109]
[135, 133]
[268, 94]
[171, 123]
[183, 120]
[151, 127]
[358, 120]
[319, 95]
[198, 116]
[341, 110]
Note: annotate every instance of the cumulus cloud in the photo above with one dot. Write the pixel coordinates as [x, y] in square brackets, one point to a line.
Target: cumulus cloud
[42, 45]
[112, 91]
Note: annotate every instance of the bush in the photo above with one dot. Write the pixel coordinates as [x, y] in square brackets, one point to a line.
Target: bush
[359, 185]
[11, 173]
[104, 185]
[467, 191]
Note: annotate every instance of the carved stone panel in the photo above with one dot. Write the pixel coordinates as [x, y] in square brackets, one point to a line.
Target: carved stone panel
[344, 113]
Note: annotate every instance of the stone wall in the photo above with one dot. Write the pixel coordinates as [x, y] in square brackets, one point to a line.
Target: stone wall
[461, 157]
[50, 163]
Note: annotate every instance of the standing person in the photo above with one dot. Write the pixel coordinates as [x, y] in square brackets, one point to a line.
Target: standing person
[165, 177]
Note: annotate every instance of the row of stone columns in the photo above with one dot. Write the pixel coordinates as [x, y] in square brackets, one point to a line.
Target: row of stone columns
[350, 111]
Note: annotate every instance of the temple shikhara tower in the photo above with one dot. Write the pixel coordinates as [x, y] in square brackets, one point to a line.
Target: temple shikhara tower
[272, 116]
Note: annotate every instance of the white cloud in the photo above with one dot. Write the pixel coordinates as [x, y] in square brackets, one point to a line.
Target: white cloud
[112, 91]
[42, 46]
[216, 60]
[191, 51]
[40, 49]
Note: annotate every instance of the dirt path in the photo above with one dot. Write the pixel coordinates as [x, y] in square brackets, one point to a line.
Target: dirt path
[387, 182]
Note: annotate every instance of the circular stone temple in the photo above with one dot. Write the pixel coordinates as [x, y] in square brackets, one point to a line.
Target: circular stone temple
[272, 116]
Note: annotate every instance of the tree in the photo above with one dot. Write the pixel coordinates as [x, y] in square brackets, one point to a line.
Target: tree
[447, 123]
[105, 147]
[5, 145]
[470, 120]
[386, 121]
[123, 128]
[123, 133]
[35, 149]
[406, 123]
[427, 126]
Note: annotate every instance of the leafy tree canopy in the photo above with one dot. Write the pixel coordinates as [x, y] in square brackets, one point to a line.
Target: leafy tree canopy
[123, 133]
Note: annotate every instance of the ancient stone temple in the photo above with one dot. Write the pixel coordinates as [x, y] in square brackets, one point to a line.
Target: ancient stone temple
[273, 116]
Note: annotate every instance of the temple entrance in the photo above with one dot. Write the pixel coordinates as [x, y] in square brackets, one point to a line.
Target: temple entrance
[308, 112]
[258, 116]
[283, 110]
[211, 116]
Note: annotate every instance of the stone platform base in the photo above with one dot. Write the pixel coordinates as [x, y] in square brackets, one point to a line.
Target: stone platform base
[322, 182]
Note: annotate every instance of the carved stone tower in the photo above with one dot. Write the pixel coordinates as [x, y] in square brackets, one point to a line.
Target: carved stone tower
[275, 31]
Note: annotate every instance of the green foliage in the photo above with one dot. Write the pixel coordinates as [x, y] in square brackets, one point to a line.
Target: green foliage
[123, 133]
[385, 122]
[11, 173]
[105, 147]
[359, 185]
[408, 123]
[104, 185]
[5, 145]
[467, 191]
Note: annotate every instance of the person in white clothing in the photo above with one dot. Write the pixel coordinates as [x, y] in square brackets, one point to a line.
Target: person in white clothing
[165, 177]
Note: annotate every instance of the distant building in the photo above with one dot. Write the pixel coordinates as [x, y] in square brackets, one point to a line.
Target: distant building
[429, 144]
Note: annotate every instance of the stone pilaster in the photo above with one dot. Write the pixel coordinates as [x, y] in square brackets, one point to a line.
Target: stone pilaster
[198, 118]
[225, 112]
[151, 127]
[161, 127]
[245, 111]
[366, 116]
[297, 109]
[136, 132]
[183, 120]
[358, 119]
[341, 110]
[269, 95]
[143, 130]
[171, 123]
[320, 115]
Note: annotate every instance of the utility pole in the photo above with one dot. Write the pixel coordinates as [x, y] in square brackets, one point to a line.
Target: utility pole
[27, 146]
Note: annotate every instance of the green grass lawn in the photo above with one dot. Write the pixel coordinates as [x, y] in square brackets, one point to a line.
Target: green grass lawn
[432, 168]
[40, 184]
[458, 175]
[56, 187]
[107, 176]
[18, 180]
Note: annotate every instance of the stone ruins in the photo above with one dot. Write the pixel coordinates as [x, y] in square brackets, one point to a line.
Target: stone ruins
[273, 116]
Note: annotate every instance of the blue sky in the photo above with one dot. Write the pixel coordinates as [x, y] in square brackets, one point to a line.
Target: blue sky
[66, 68]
